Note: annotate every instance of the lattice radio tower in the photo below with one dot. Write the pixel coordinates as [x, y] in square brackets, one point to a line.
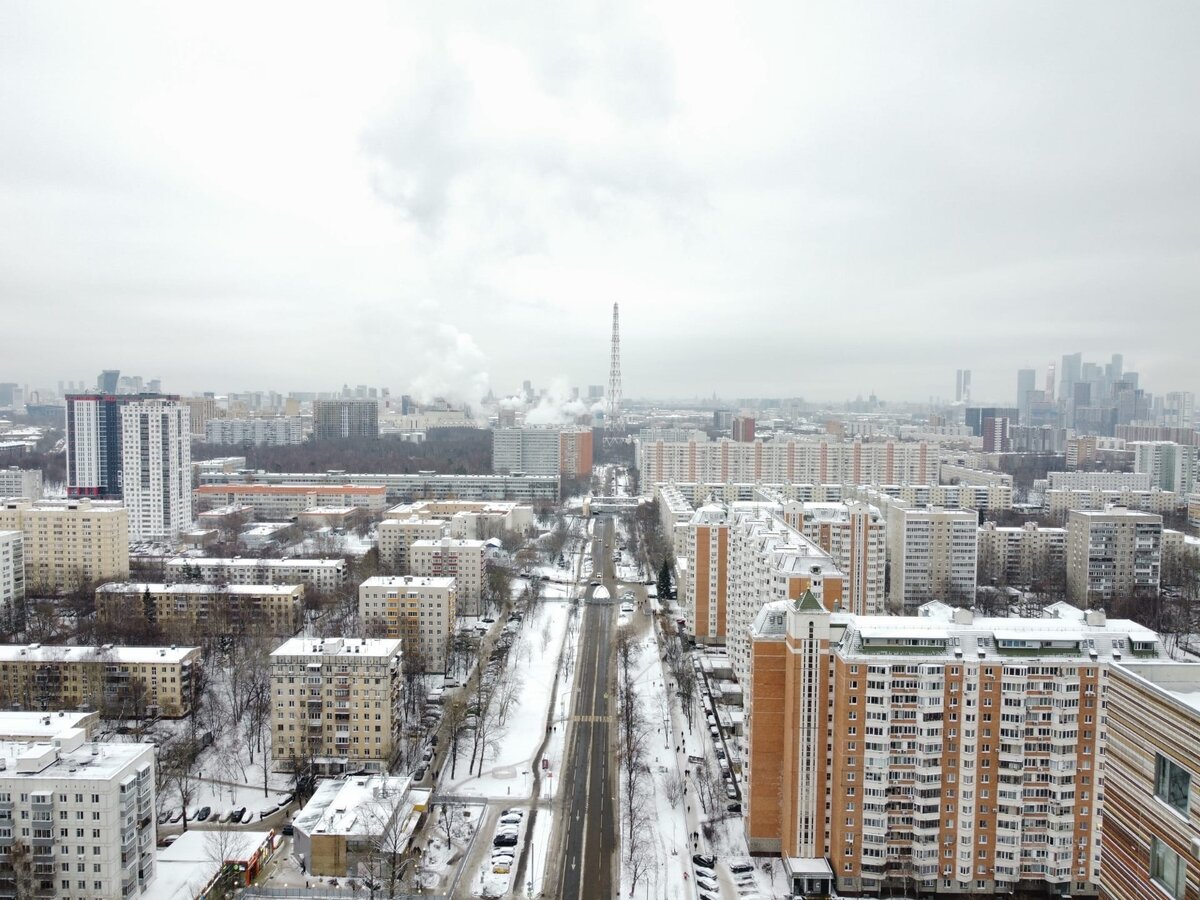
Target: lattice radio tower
[612, 412]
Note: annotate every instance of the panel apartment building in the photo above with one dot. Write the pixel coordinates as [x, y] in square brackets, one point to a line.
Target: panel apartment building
[345, 419]
[1020, 555]
[933, 554]
[462, 560]
[189, 611]
[1112, 554]
[791, 461]
[15, 482]
[12, 574]
[854, 536]
[543, 450]
[325, 575]
[70, 542]
[159, 680]
[336, 704]
[106, 794]
[273, 502]
[942, 753]
[419, 611]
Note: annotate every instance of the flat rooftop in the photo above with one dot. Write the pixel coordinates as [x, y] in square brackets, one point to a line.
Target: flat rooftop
[105, 653]
[188, 589]
[322, 647]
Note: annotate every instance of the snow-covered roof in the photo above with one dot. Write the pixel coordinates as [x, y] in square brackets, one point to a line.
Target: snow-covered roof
[356, 805]
[185, 589]
[409, 581]
[106, 653]
[322, 647]
[253, 562]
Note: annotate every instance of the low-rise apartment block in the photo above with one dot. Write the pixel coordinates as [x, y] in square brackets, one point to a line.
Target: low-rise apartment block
[324, 575]
[944, 753]
[276, 501]
[419, 611]
[189, 611]
[141, 681]
[71, 542]
[1112, 554]
[1099, 481]
[1152, 775]
[1021, 555]
[106, 793]
[336, 704]
[401, 488]
[470, 519]
[461, 560]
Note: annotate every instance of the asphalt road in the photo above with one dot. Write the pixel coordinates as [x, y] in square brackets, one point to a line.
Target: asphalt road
[590, 842]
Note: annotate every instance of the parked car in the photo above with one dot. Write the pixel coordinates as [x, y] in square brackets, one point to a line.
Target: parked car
[504, 840]
[289, 829]
[734, 808]
[701, 861]
[740, 867]
[707, 883]
[205, 812]
[238, 815]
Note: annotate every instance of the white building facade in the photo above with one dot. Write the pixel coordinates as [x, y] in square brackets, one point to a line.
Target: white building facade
[156, 464]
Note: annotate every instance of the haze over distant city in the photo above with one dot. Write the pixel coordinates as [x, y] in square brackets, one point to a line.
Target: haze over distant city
[786, 199]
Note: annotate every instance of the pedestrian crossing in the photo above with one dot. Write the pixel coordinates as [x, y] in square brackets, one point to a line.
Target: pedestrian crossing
[607, 720]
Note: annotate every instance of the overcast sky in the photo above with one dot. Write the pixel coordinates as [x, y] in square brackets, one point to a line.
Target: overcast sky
[786, 198]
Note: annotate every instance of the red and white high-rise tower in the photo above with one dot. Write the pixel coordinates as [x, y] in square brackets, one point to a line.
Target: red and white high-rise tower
[612, 414]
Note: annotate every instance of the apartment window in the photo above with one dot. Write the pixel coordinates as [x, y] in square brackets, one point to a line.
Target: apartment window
[1168, 869]
[1171, 783]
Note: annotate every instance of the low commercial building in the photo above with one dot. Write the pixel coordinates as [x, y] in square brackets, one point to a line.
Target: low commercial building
[1151, 772]
[71, 542]
[420, 611]
[336, 704]
[468, 518]
[105, 791]
[189, 611]
[141, 681]
[323, 575]
[198, 861]
[348, 819]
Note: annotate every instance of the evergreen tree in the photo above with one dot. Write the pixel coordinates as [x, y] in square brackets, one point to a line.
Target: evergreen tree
[664, 581]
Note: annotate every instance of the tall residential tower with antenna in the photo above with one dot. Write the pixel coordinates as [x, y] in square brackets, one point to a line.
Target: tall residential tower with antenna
[612, 413]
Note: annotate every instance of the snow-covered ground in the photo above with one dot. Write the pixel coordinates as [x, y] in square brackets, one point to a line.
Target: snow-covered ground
[677, 813]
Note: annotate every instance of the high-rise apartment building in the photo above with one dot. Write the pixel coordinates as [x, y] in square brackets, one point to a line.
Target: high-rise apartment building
[1151, 822]
[942, 753]
[94, 435]
[932, 552]
[1178, 409]
[71, 542]
[345, 419]
[854, 536]
[396, 537]
[742, 429]
[77, 819]
[25, 483]
[201, 411]
[336, 704]
[12, 574]
[543, 450]
[1171, 466]
[787, 462]
[1113, 553]
[156, 465]
[705, 579]
[418, 611]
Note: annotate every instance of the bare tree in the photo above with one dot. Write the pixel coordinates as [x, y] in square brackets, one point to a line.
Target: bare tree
[454, 721]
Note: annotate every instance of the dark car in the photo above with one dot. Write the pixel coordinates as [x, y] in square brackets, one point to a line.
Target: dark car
[419, 774]
[735, 808]
[205, 812]
[239, 815]
[700, 861]
[289, 829]
[504, 840]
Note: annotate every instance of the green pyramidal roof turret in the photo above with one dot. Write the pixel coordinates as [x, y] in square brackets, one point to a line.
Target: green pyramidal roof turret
[809, 603]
